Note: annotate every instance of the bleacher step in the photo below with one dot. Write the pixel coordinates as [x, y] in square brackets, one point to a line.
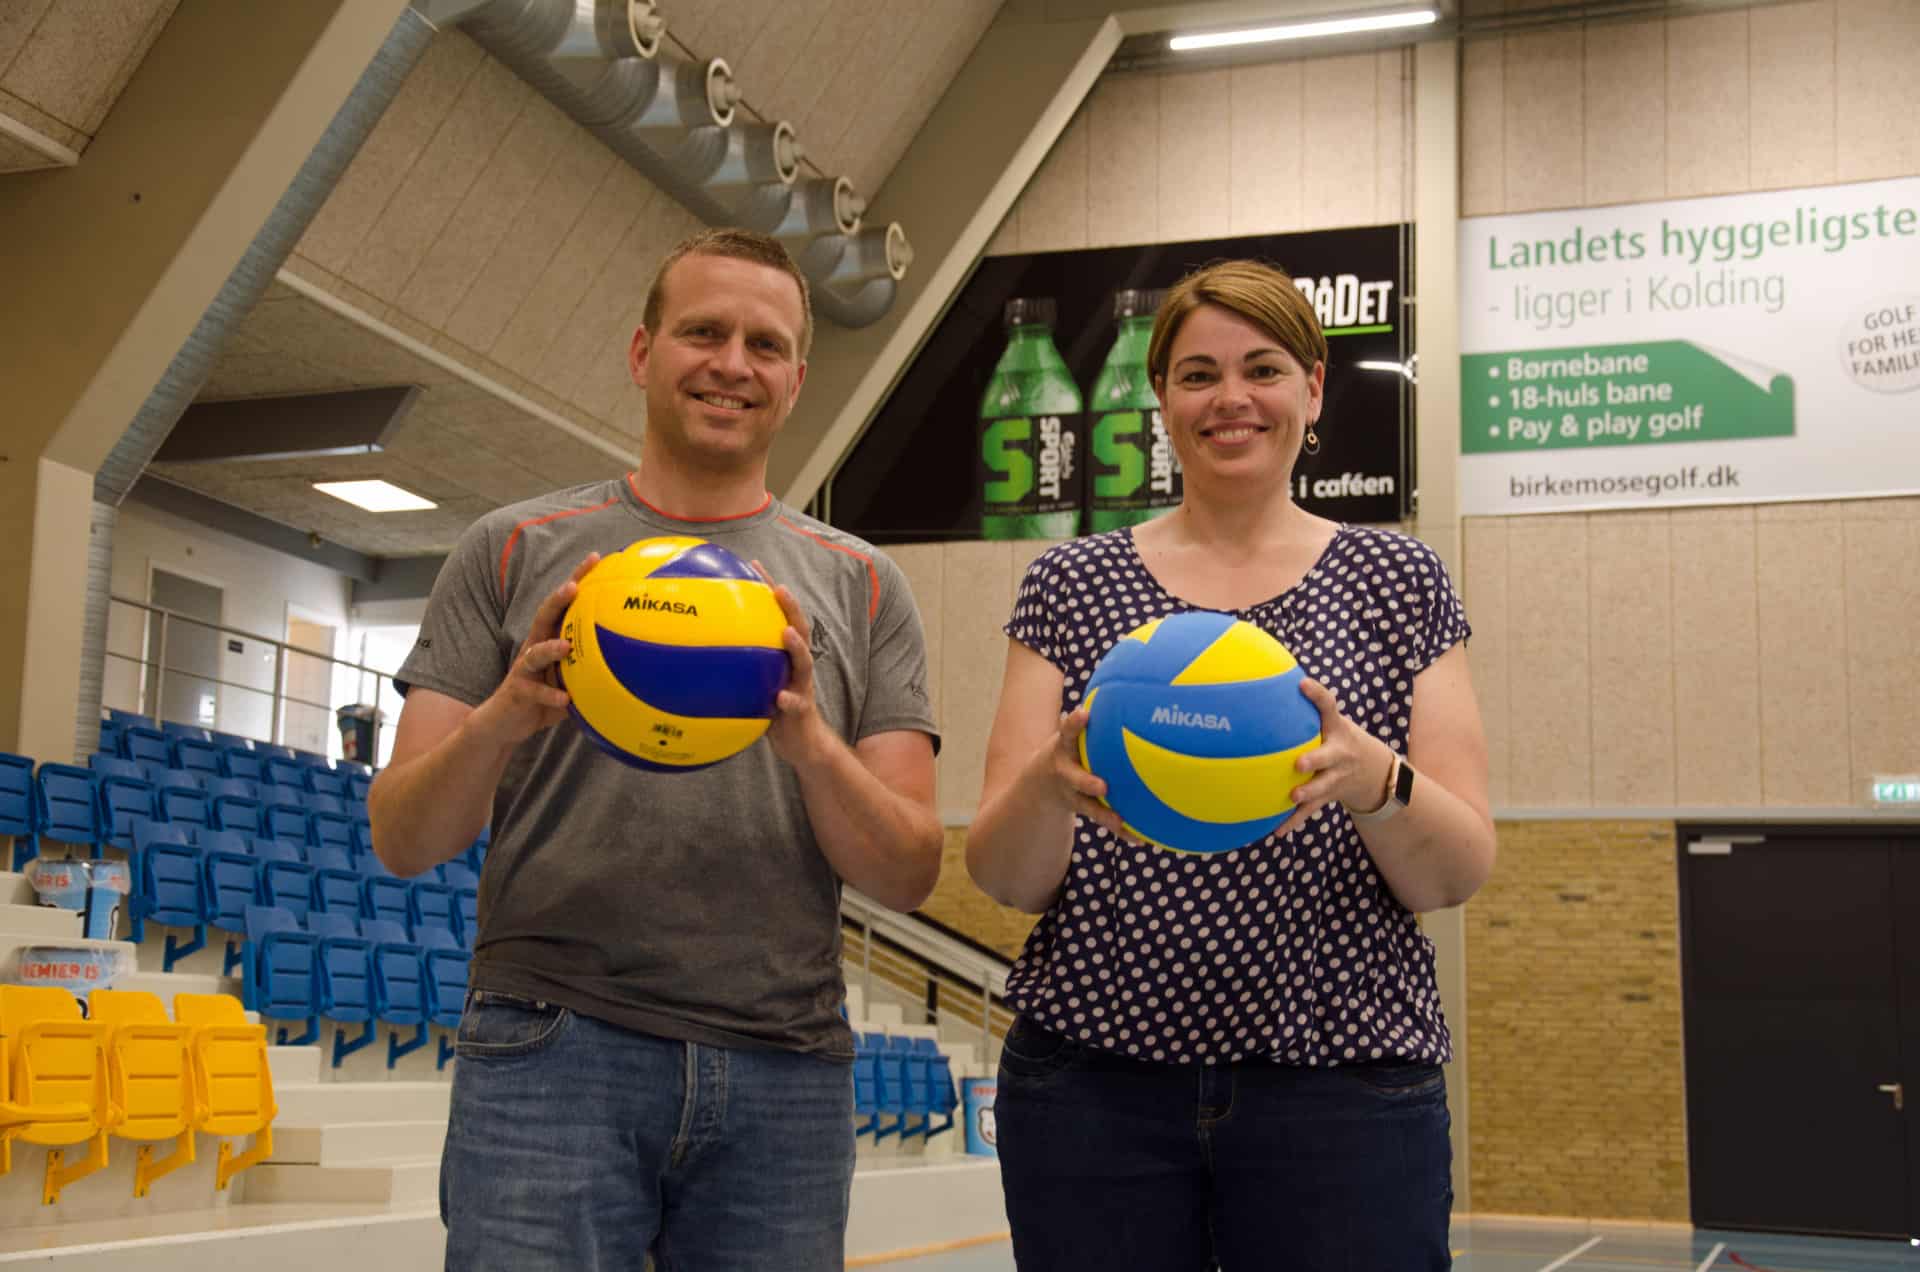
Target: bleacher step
[357, 1143]
[294, 1065]
[402, 1183]
[323, 1103]
[35, 922]
[167, 984]
[15, 889]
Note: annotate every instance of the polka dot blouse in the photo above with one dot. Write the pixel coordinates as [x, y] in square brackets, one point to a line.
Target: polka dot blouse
[1290, 950]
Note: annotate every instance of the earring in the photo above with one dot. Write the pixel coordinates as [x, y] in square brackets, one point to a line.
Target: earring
[1313, 442]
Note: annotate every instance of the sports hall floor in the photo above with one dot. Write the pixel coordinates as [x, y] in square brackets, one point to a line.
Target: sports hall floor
[1491, 1245]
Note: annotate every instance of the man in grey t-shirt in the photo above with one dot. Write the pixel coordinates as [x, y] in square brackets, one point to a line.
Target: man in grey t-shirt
[652, 1055]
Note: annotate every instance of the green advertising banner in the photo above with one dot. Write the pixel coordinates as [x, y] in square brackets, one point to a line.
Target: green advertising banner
[1738, 349]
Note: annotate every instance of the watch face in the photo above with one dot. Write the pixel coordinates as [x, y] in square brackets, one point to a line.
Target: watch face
[1402, 782]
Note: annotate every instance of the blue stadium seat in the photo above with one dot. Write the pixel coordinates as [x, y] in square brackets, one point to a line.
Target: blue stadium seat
[67, 808]
[125, 794]
[336, 884]
[362, 832]
[113, 738]
[18, 806]
[284, 772]
[466, 908]
[183, 802]
[144, 743]
[456, 875]
[446, 967]
[358, 786]
[280, 972]
[191, 732]
[226, 740]
[399, 984]
[943, 1097]
[242, 764]
[383, 895]
[286, 880]
[312, 760]
[125, 718]
[234, 806]
[168, 883]
[866, 1081]
[196, 756]
[344, 991]
[892, 1064]
[326, 782]
[328, 821]
[283, 814]
[430, 904]
[230, 883]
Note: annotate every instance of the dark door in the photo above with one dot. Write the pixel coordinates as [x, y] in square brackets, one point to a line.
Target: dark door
[1906, 941]
[1791, 1032]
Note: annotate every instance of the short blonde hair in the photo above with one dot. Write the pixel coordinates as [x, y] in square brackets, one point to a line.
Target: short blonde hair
[1263, 295]
[739, 245]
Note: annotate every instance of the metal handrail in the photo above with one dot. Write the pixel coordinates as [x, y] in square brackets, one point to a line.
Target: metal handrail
[281, 650]
[935, 949]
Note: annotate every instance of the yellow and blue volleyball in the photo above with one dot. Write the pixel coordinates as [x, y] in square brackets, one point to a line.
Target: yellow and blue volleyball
[1195, 722]
[677, 658]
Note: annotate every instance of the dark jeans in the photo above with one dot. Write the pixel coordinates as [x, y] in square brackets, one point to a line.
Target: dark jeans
[576, 1145]
[1116, 1163]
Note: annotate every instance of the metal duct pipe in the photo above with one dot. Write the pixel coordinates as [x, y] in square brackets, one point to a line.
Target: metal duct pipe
[599, 61]
[755, 179]
[591, 58]
[190, 367]
[867, 276]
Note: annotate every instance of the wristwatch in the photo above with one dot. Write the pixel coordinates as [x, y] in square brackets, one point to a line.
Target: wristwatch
[1399, 791]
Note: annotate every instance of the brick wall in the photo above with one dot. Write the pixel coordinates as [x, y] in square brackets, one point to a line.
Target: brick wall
[1574, 1049]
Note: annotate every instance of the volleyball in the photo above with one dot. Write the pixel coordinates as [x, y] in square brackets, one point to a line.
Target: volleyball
[1194, 723]
[677, 659]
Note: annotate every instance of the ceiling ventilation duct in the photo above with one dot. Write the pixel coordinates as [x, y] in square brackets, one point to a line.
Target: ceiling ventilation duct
[601, 62]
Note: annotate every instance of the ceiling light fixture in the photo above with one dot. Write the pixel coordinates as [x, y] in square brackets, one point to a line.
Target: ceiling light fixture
[375, 496]
[1305, 30]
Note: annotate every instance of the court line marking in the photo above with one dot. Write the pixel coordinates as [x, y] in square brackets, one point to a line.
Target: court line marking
[1571, 1255]
[1712, 1255]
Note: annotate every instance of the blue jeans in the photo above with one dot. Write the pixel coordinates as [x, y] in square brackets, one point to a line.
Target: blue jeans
[1109, 1162]
[574, 1144]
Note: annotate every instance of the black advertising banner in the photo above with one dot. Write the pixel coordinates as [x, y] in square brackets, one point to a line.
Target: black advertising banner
[1027, 413]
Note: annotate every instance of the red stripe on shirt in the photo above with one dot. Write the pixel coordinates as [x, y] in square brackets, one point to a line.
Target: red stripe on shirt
[674, 516]
[873, 574]
[540, 521]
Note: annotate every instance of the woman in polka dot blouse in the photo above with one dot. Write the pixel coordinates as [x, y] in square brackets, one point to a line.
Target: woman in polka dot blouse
[1234, 1058]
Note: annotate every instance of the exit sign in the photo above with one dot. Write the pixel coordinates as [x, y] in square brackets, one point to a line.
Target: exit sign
[1896, 790]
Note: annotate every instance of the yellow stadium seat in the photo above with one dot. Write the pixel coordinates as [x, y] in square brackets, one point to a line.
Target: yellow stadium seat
[150, 1071]
[232, 1082]
[57, 1058]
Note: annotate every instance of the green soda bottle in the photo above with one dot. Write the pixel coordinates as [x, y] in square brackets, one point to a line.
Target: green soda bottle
[1134, 473]
[1031, 434]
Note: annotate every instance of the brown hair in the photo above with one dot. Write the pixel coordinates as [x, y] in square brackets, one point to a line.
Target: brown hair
[1263, 295]
[740, 245]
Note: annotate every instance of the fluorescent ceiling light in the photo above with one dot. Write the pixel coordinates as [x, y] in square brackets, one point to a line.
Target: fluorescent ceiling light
[374, 496]
[1305, 30]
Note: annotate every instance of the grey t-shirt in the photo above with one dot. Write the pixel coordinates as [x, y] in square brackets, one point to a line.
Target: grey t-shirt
[697, 905]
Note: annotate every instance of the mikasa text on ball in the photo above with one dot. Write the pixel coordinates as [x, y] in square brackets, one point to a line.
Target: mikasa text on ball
[677, 659]
[1195, 722]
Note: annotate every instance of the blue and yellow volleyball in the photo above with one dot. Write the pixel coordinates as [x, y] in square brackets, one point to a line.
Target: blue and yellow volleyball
[1195, 722]
[677, 658]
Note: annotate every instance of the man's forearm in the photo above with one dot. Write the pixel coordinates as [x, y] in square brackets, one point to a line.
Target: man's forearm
[429, 809]
[882, 842]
